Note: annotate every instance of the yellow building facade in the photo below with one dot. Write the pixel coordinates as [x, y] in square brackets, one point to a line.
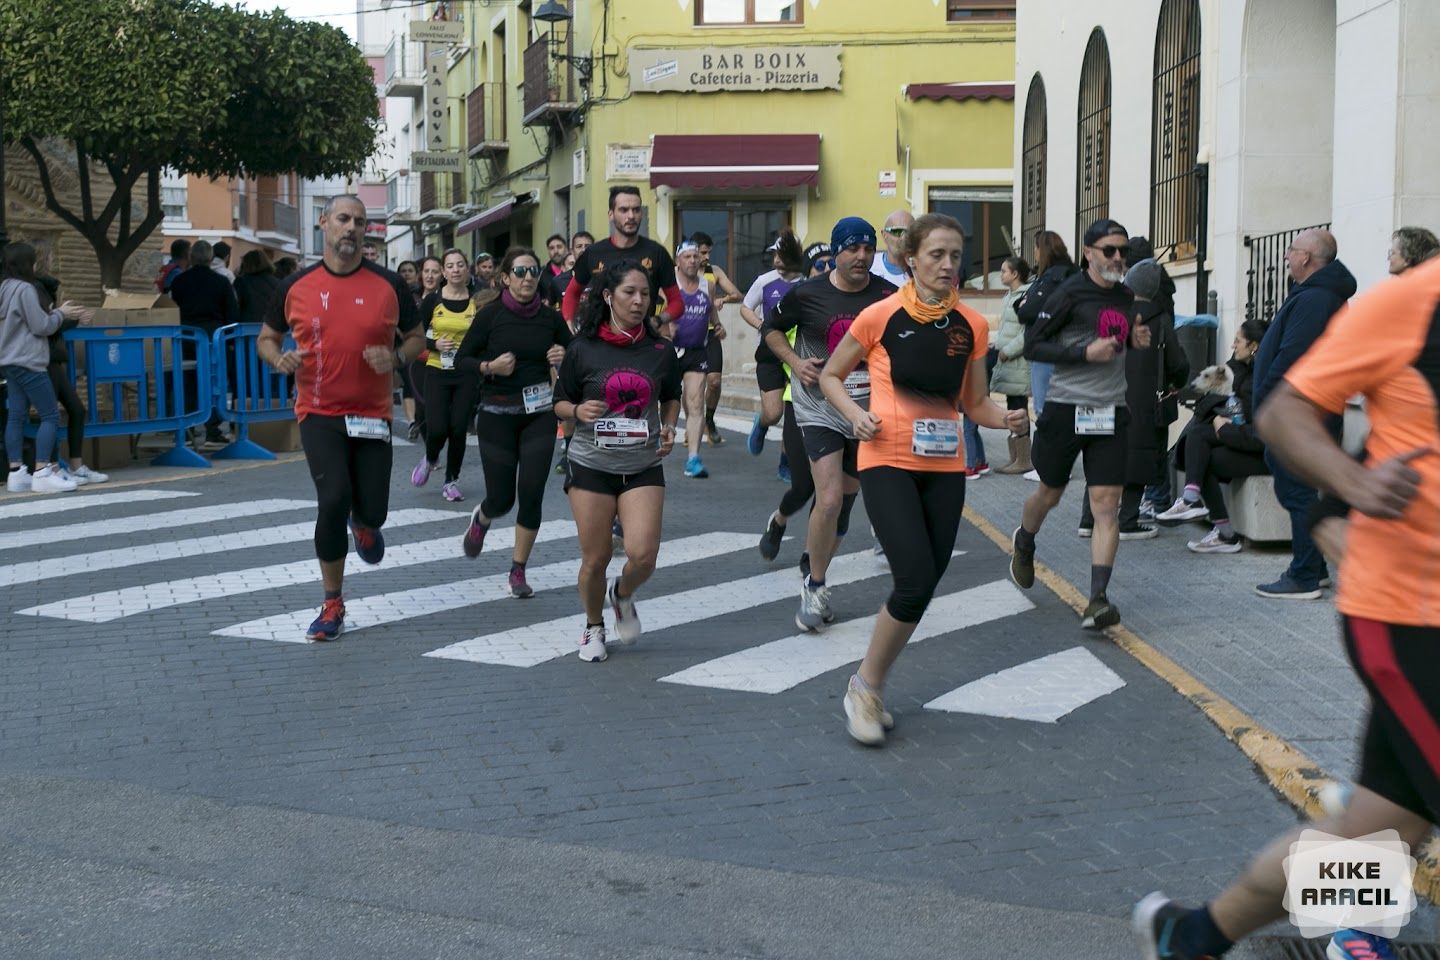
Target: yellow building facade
[732, 117]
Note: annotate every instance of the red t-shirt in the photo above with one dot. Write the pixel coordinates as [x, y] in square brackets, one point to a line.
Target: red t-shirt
[333, 318]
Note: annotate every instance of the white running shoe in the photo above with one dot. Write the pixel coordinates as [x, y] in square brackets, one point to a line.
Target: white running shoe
[814, 610]
[627, 621]
[1182, 511]
[592, 644]
[71, 475]
[864, 715]
[19, 480]
[1033, 476]
[1213, 542]
[50, 480]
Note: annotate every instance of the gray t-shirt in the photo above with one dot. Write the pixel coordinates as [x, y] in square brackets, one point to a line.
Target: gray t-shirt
[1076, 314]
[633, 380]
[821, 314]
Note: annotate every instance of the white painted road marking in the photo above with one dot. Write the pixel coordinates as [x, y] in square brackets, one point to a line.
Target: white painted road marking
[534, 644]
[781, 664]
[1042, 690]
[380, 609]
[248, 509]
[114, 604]
[41, 506]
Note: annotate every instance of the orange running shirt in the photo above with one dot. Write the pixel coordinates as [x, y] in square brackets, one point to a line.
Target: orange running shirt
[1386, 345]
[917, 372]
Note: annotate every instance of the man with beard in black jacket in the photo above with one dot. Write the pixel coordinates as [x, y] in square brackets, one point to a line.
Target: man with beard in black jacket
[1322, 284]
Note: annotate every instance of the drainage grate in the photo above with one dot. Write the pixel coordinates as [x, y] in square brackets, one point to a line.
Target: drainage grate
[1294, 948]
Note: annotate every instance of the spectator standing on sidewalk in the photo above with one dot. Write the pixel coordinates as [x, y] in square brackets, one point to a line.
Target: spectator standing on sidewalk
[256, 286]
[1012, 371]
[24, 358]
[1388, 599]
[179, 259]
[66, 394]
[1322, 285]
[220, 262]
[206, 300]
[1410, 246]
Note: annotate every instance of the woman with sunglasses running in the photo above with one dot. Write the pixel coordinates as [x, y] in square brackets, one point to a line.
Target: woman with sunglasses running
[514, 344]
[449, 392]
[621, 384]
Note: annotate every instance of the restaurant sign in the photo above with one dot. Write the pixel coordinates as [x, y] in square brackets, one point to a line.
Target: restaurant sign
[728, 69]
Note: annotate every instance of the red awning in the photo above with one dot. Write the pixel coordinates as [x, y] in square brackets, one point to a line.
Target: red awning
[484, 218]
[735, 160]
[982, 90]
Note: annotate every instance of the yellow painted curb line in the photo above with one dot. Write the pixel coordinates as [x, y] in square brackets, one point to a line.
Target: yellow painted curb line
[1292, 774]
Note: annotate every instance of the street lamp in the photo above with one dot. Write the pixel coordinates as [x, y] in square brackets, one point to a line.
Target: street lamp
[551, 12]
[554, 12]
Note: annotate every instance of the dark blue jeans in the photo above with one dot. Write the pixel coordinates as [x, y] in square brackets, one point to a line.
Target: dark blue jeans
[1307, 565]
[26, 389]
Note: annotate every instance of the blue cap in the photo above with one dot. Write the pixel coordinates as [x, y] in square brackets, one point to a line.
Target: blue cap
[851, 232]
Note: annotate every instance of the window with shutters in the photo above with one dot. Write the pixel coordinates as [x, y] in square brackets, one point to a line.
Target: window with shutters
[1032, 166]
[1092, 161]
[1175, 129]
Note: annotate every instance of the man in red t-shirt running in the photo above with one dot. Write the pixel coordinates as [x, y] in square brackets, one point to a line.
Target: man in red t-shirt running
[343, 314]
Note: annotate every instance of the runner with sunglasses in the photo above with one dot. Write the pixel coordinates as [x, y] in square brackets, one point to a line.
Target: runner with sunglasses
[1083, 328]
[621, 383]
[514, 344]
[890, 264]
[449, 392]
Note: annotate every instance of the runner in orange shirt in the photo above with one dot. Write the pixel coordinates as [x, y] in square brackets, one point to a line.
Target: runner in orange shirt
[926, 355]
[1385, 345]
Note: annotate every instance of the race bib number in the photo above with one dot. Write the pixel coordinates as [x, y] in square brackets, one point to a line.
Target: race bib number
[447, 359]
[1095, 421]
[537, 397]
[621, 433]
[367, 428]
[936, 438]
[857, 384]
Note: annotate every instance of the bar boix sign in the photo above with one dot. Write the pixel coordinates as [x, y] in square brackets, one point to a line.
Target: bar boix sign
[731, 69]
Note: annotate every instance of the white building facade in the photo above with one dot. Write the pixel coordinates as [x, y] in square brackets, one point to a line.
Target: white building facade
[1217, 128]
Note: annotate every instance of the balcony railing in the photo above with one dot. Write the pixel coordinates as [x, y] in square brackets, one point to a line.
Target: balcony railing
[485, 120]
[402, 198]
[549, 83]
[404, 69]
[439, 191]
[277, 216]
[1267, 280]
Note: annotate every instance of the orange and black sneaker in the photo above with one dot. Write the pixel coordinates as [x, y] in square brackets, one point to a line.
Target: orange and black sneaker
[369, 543]
[330, 624]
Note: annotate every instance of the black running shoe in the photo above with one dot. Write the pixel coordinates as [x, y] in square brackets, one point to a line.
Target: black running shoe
[1022, 563]
[1153, 920]
[770, 540]
[1101, 613]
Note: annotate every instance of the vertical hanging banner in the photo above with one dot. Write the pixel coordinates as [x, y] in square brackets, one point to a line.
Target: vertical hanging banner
[437, 126]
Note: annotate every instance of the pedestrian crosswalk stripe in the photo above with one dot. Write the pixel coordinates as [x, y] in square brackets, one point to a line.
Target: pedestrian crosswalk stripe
[1042, 690]
[114, 604]
[150, 521]
[781, 664]
[533, 644]
[380, 609]
[41, 506]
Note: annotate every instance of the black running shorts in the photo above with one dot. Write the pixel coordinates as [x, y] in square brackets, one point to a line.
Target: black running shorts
[1056, 446]
[770, 375]
[611, 484]
[1400, 749]
[693, 360]
[820, 442]
[715, 355]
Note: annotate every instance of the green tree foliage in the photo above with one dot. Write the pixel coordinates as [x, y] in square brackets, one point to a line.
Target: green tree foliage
[139, 85]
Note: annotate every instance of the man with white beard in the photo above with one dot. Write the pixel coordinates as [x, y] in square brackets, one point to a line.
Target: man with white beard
[1084, 329]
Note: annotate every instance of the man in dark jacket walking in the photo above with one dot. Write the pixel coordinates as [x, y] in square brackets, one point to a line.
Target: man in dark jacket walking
[1322, 285]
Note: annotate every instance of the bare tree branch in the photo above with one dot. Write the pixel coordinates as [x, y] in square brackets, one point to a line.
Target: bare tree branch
[52, 203]
[83, 162]
[154, 216]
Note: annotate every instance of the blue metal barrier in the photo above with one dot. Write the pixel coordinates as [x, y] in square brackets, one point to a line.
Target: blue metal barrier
[142, 371]
[247, 390]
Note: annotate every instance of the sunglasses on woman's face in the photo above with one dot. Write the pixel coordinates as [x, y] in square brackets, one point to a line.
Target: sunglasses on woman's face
[525, 271]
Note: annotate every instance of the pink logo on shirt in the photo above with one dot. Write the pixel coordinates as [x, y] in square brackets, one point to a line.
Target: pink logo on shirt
[1112, 323]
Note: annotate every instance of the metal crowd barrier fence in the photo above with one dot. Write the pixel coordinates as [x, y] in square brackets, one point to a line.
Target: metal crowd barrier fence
[246, 389]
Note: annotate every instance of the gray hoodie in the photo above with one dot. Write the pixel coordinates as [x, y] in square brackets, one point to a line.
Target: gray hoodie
[24, 325]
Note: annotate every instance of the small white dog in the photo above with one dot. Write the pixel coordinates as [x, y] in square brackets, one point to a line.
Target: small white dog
[1217, 379]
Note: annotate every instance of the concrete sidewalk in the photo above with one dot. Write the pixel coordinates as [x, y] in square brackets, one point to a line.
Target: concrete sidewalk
[1279, 661]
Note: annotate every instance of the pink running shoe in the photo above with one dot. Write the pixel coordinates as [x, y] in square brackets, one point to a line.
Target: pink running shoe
[421, 474]
[451, 492]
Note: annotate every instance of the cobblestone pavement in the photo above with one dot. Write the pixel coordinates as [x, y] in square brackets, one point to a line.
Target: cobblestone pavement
[173, 783]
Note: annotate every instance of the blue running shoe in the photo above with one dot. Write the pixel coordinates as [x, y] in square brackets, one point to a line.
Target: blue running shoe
[330, 624]
[782, 472]
[756, 443]
[369, 543]
[1357, 945]
[694, 468]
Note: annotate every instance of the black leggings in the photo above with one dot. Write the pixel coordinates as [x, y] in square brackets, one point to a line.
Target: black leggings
[352, 478]
[1207, 461]
[515, 448]
[449, 405]
[74, 412]
[414, 376]
[802, 484]
[916, 517]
